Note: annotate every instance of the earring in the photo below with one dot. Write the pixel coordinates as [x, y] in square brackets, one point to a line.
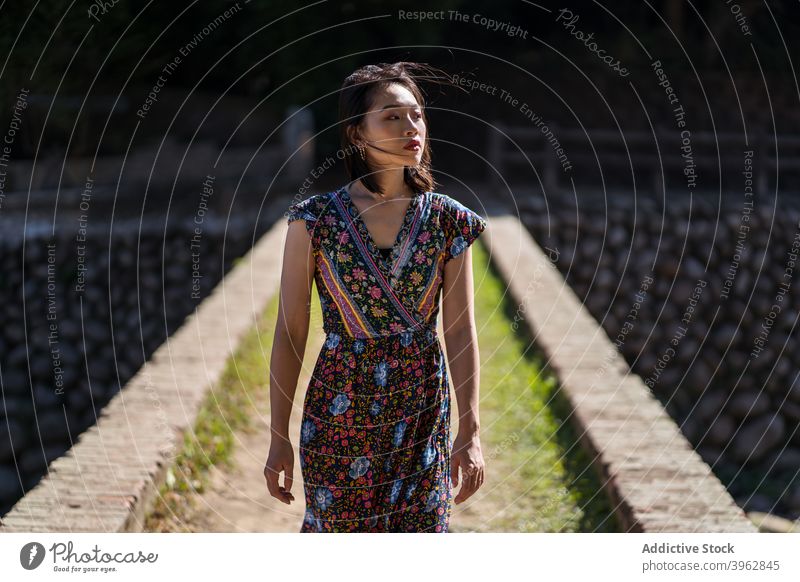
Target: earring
[362, 152]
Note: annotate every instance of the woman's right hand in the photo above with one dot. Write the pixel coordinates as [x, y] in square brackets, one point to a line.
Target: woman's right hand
[280, 458]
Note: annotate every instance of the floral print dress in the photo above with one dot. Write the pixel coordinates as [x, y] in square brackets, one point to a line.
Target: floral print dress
[375, 430]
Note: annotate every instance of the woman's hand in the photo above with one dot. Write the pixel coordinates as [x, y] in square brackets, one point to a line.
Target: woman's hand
[468, 456]
[280, 458]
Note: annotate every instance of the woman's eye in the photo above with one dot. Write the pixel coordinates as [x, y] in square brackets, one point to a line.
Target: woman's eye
[419, 116]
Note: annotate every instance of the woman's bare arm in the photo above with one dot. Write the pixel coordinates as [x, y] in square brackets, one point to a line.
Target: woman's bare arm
[462, 352]
[291, 330]
[461, 339]
[288, 348]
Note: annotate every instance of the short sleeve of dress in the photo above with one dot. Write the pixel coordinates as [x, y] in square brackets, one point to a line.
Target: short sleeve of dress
[304, 210]
[461, 227]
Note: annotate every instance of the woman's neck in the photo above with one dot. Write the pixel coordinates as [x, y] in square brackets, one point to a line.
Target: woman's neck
[391, 182]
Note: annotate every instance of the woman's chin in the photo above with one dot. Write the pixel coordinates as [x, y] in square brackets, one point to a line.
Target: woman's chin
[402, 160]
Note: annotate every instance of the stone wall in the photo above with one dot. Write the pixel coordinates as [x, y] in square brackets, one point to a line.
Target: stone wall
[702, 300]
[79, 318]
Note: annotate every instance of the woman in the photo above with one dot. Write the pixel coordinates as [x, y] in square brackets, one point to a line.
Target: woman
[375, 450]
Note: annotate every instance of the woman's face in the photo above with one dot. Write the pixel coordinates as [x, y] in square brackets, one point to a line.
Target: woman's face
[394, 119]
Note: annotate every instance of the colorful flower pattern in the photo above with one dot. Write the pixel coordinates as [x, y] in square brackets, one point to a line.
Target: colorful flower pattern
[375, 433]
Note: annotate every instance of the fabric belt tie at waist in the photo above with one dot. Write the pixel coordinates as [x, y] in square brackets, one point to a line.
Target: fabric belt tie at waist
[425, 330]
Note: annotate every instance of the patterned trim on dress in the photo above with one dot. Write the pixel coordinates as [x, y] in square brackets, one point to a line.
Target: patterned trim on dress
[428, 298]
[352, 318]
[404, 254]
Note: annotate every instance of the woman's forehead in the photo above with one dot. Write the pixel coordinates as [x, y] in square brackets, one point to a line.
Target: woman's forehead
[393, 95]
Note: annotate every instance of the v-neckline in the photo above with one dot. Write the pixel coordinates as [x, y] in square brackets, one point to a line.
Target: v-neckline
[366, 236]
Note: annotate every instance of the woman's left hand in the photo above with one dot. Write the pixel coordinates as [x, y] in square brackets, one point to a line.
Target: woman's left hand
[468, 456]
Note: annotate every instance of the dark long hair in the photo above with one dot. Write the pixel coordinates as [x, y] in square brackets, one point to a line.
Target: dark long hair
[355, 100]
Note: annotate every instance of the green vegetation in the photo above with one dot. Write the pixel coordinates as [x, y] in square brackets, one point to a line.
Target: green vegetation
[533, 457]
